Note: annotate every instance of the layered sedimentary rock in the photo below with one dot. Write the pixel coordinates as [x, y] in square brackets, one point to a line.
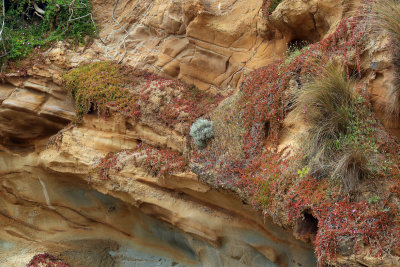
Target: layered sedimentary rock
[50, 198]
[211, 44]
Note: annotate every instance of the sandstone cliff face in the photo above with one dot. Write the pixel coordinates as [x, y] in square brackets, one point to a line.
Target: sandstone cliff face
[211, 44]
[52, 201]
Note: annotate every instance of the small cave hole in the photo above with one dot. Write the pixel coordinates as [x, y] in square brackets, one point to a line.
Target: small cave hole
[111, 208]
[16, 141]
[267, 131]
[307, 227]
[91, 108]
[267, 128]
[297, 45]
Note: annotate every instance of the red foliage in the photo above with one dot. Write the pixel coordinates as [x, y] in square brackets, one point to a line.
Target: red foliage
[343, 219]
[46, 260]
[263, 171]
[102, 85]
[158, 162]
[106, 164]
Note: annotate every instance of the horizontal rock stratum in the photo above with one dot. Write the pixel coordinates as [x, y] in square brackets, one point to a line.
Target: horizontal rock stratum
[110, 187]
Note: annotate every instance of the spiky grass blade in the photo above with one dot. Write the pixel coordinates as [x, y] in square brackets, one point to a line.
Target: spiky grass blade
[324, 104]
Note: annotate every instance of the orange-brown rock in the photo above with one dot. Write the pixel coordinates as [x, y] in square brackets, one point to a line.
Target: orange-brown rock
[50, 198]
[207, 43]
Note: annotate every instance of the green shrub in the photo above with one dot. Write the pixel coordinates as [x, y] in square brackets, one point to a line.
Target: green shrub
[202, 131]
[26, 29]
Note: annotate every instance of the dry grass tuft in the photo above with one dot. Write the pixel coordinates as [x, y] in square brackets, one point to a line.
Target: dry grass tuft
[388, 18]
[324, 103]
[229, 129]
[340, 140]
[353, 166]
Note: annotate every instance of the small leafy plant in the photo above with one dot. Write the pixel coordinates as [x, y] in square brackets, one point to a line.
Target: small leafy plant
[294, 50]
[373, 199]
[303, 172]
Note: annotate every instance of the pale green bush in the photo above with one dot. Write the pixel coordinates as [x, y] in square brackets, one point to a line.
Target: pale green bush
[202, 131]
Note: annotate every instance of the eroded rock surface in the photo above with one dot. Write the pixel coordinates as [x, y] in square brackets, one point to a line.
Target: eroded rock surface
[211, 44]
[32, 108]
[50, 200]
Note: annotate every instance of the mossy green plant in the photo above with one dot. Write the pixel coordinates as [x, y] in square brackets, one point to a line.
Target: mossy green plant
[103, 85]
[100, 85]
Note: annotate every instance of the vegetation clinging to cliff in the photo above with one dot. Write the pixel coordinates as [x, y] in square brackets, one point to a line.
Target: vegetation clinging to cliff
[202, 131]
[29, 25]
[341, 128]
[46, 260]
[269, 6]
[158, 162]
[102, 86]
[359, 159]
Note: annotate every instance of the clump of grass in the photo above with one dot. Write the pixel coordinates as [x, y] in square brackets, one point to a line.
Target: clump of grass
[341, 131]
[353, 166]
[325, 104]
[387, 14]
[388, 18]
